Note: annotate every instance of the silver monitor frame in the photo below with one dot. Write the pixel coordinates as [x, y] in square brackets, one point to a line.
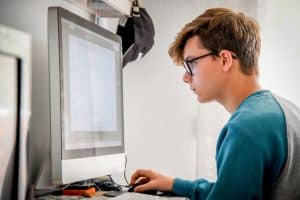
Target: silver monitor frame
[71, 166]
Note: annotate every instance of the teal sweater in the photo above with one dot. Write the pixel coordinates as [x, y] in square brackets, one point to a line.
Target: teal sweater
[250, 155]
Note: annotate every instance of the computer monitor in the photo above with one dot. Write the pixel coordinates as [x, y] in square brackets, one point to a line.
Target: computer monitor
[86, 109]
[14, 112]
[9, 129]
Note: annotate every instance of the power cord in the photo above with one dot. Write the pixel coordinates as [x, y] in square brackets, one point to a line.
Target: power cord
[124, 175]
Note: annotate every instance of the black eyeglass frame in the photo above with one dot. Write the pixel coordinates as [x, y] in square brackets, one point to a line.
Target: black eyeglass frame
[187, 63]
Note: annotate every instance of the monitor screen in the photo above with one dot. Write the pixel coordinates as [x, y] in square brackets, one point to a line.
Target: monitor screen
[85, 98]
[8, 121]
[9, 135]
[15, 111]
[90, 89]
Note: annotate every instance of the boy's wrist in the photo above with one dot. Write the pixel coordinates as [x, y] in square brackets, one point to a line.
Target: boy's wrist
[169, 184]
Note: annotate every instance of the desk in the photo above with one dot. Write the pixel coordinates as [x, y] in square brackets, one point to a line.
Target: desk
[97, 197]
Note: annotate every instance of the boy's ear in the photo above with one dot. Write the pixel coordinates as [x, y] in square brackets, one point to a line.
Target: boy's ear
[226, 60]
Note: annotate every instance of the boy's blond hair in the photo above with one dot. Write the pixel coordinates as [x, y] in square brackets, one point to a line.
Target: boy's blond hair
[222, 28]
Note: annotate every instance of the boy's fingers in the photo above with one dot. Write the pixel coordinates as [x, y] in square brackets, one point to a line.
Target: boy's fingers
[144, 187]
[139, 173]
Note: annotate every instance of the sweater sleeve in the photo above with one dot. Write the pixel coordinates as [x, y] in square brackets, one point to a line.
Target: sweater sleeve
[240, 169]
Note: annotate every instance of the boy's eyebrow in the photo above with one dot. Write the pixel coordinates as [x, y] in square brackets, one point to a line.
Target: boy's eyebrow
[188, 58]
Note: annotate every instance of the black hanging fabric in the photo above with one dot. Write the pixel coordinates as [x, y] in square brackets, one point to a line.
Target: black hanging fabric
[137, 34]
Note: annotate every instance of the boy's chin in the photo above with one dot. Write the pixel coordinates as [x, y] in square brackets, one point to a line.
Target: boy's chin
[202, 99]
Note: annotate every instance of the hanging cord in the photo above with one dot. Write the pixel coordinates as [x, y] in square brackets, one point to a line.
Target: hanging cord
[136, 3]
[135, 12]
[124, 175]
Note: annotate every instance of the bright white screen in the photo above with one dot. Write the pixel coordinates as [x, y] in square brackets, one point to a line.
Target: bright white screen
[92, 86]
[91, 89]
[8, 111]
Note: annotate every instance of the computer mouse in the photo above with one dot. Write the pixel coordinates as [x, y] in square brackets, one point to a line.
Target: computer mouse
[151, 192]
[137, 183]
[131, 188]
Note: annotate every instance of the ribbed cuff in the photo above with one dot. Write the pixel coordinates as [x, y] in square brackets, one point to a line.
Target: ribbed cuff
[183, 187]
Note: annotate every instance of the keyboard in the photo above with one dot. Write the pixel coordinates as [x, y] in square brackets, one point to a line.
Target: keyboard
[123, 196]
[137, 196]
[140, 196]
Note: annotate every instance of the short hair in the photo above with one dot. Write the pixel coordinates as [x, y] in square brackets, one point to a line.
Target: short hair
[222, 28]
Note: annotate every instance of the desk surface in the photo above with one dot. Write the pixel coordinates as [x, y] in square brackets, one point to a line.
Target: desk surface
[96, 197]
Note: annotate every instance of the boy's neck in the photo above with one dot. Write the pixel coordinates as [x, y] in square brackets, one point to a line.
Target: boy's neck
[235, 93]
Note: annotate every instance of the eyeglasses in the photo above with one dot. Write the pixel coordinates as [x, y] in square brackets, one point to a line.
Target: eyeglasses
[189, 65]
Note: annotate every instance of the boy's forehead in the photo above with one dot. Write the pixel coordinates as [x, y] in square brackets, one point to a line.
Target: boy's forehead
[192, 46]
